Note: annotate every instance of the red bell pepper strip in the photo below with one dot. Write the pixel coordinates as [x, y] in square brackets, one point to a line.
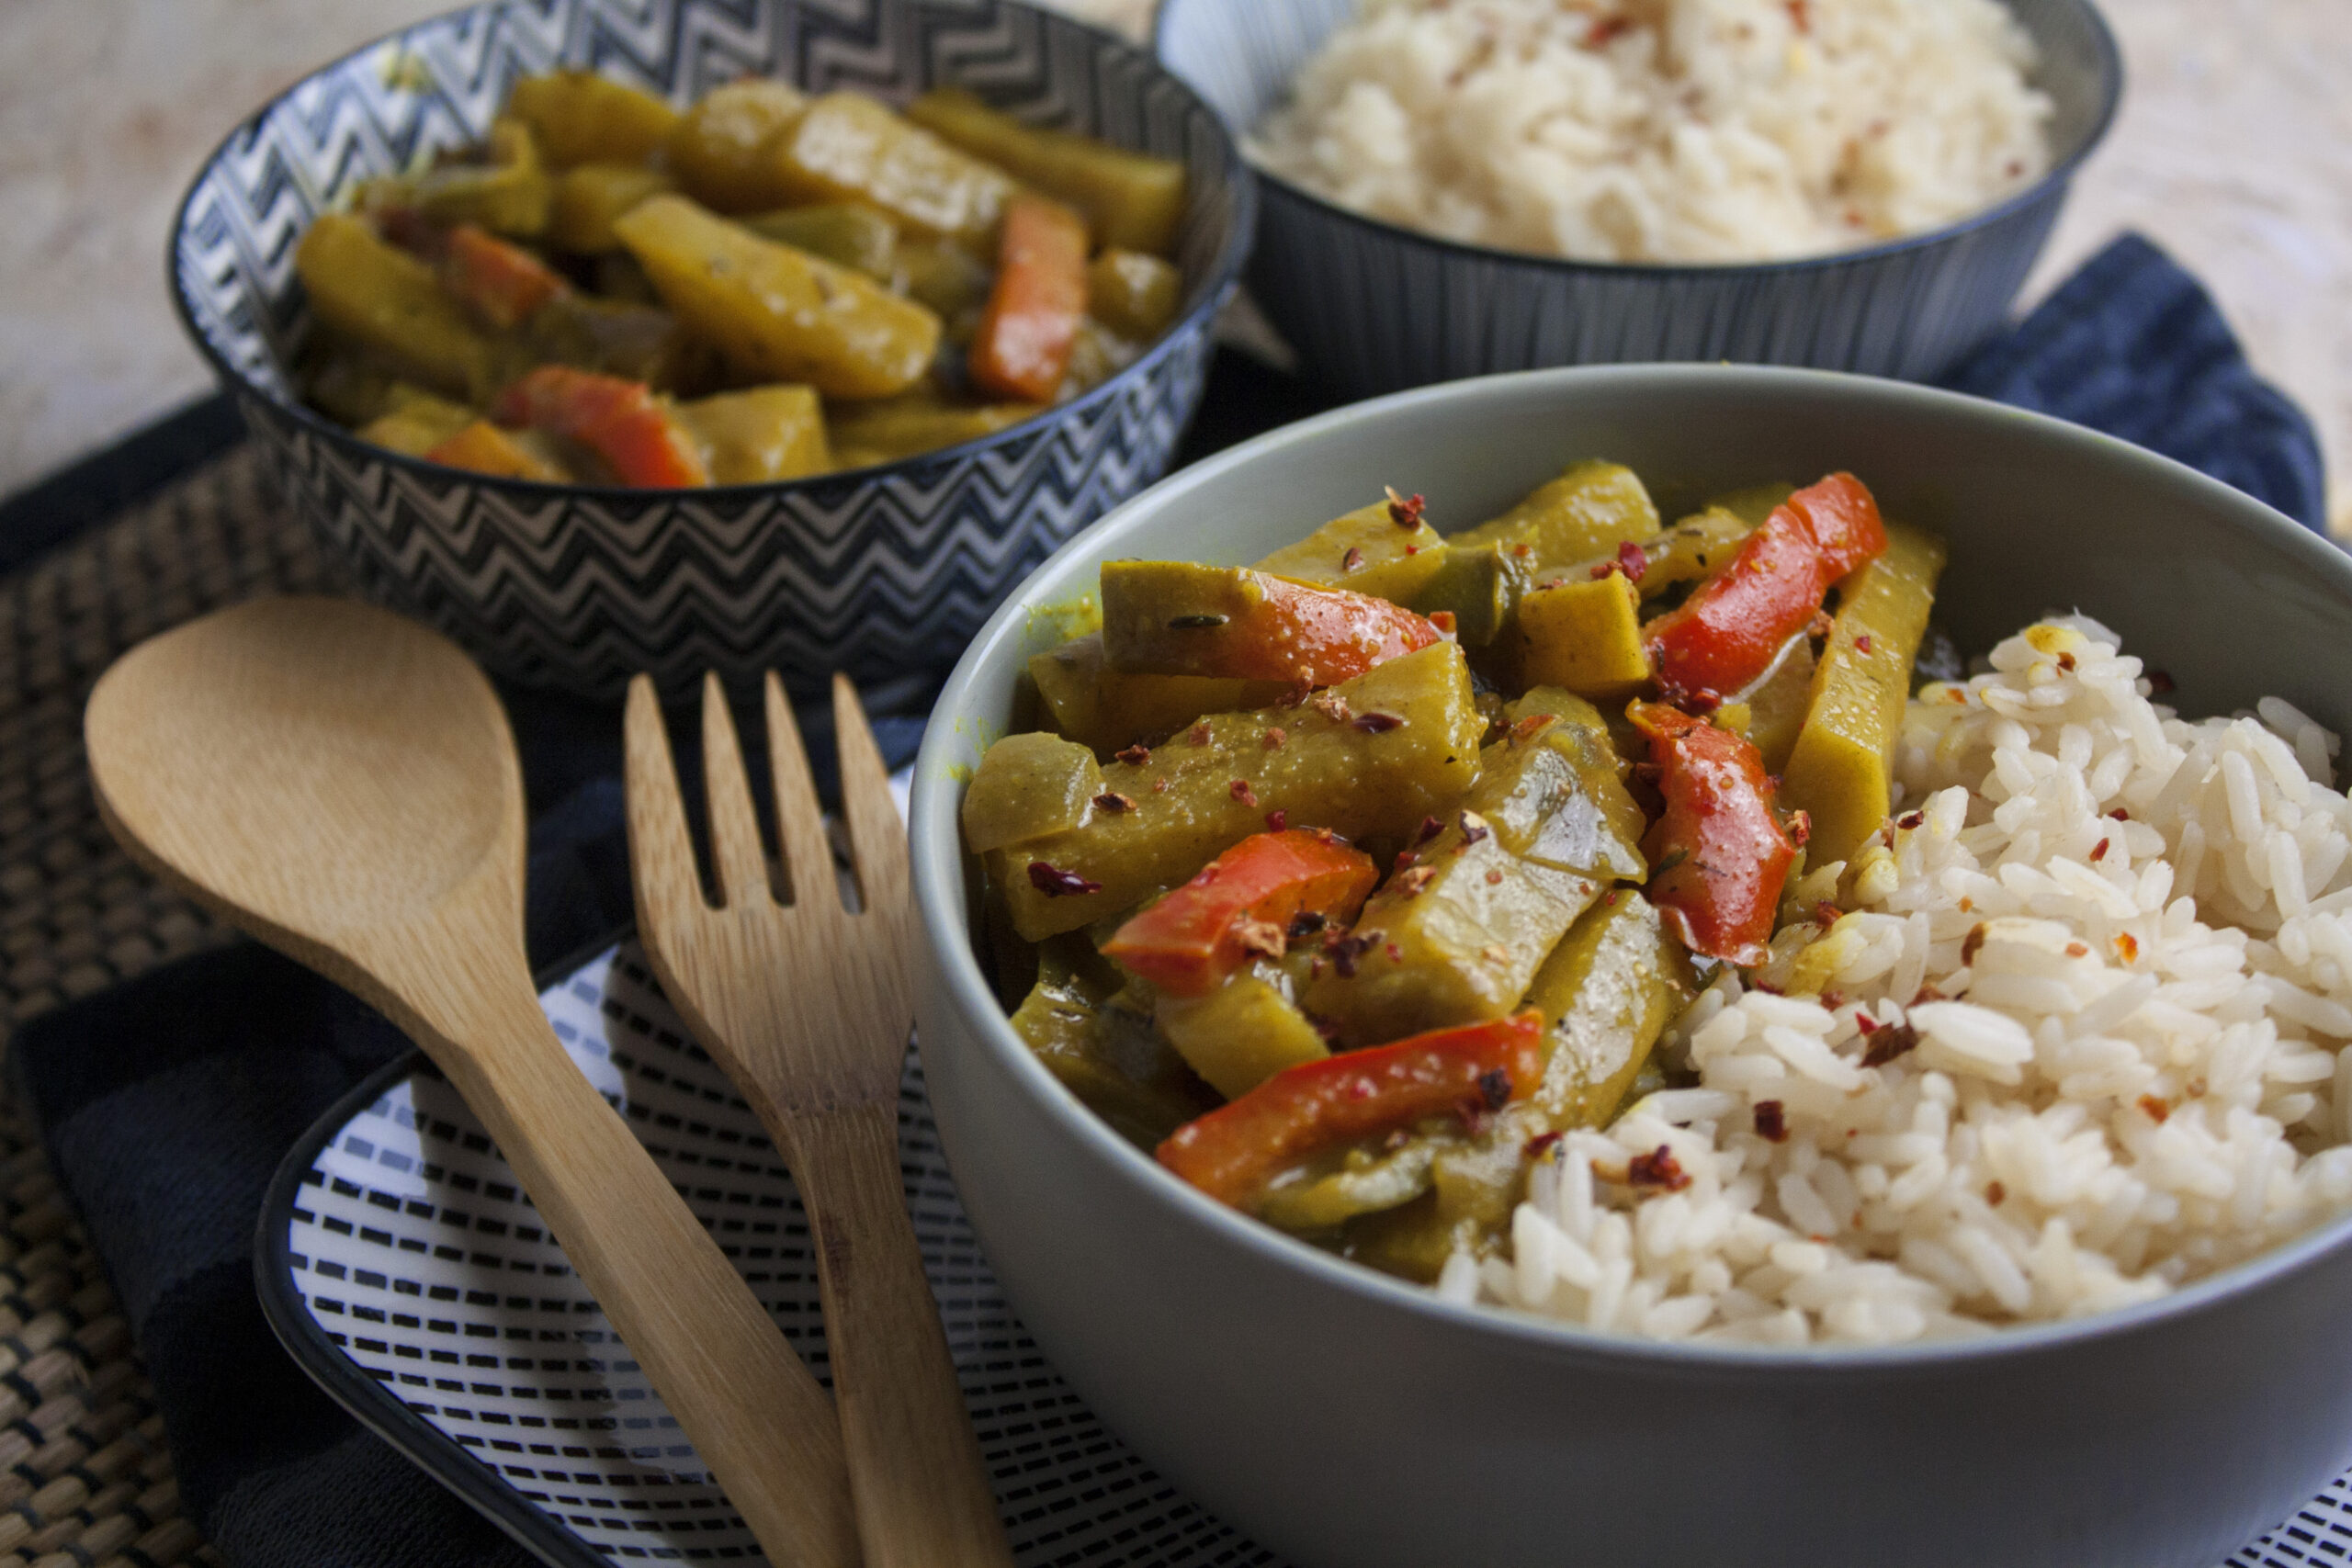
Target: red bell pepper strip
[1231, 1153]
[502, 283]
[1177, 618]
[1242, 903]
[1034, 311]
[617, 420]
[484, 448]
[1718, 854]
[1736, 623]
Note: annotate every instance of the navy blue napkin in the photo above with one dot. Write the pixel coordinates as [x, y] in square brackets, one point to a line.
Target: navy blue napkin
[168, 1101]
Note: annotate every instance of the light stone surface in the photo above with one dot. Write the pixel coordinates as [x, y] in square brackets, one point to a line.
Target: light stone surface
[2231, 152]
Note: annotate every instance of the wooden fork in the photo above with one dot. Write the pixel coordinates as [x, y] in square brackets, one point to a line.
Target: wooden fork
[809, 1007]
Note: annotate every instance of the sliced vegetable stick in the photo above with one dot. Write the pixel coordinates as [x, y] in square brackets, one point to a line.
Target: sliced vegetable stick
[1032, 314]
[1718, 856]
[1177, 618]
[500, 283]
[619, 420]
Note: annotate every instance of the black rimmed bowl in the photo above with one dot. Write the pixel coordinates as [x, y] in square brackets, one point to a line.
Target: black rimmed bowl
[885, 572]
[1349, 1420]
[1372, 307]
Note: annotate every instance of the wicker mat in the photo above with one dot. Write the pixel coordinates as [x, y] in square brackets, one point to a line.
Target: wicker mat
[86, 1481]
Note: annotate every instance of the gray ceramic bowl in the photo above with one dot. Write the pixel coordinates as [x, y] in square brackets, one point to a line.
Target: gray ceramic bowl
[883, 571]
[1349, 1421]
[1372, 307]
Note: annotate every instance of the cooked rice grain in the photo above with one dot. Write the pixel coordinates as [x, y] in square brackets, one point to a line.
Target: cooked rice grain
[2116, 953]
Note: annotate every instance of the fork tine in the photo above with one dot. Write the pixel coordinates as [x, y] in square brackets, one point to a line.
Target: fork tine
[661, 854]
[800, 821]
[877, 837]
[735, 851]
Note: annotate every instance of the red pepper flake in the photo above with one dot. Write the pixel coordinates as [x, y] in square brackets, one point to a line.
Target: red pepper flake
[1889, 1042]
[1431, 828]
[1657, 1168]
[1395, 954]
[1160, 786]
[1800, 828]
[2120, 815]
[1495, 877]
[2159, 683]
[1378, 723]
[1474, 828]
[1833, 1000]
[1274, 736]
[1522, 550]
[2077, 950]
[1825, 913]
[1800, 15]
[1405, 512]
[1612, 898]
[1352, 561]
[2157, 1108]
[1910, 821]
[1239, 789]
[1306, 923]
[1867, 1024]
[1771, 1122]
[1412, 549]
[1632, 561]
[1604, 29]
[1926, 994]
[1995, 1194]
[1262, 937]
[1862, 644]
[2128, 946]
[1494, 1088]
[1112, 800]
[1199, 735]
[1136, 756]
[1700, 701]
[1528, 729]
[1276, 821]
[1346, 948]
[1971, 943]
[1404, 858]
[2067, 662]
[1967, 905]
[2098, 852]
[1600, 569]
[1330, 705]
[1056, 883]
[1441, 619]
[1540, 1145]
[1410, 881]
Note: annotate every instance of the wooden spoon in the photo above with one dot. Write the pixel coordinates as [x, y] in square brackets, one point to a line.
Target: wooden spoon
[342, 783]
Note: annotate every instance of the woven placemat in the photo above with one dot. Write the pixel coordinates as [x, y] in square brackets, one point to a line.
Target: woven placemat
[86, 1481]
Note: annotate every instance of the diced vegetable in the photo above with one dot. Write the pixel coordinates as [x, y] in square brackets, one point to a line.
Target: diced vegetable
[508, 192]
[1130, 199]
[1033, 310]
[1718, 854]
[1133, 294]
[1584, 636]
[617, 420]
[417, 424]
[389, 303]
[589, 197]
[1365, 551]
[779, 313]
[1458, 930]
[1110, 709]
[723, 151]
[886, 430]
[758, 435]
[1839, 769]
[484, 448]
[1606, 992]
[1028, 786]
[1372, 758]
[1600, 828]
[1732, 626]
[842, 231]
[502, 284]
[1586, 512]
[1234, 1152]
[1105, 1052]
[848, 147]
[1179, 619]
[579, 116]
[1239, 1034]
[1241, 903]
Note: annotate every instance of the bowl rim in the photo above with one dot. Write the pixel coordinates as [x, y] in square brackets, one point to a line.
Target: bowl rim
[2052, 181]
[936, 863]
[1223, 280]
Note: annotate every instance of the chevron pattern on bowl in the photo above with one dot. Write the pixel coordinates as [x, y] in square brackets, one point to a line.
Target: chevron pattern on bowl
[883, 571]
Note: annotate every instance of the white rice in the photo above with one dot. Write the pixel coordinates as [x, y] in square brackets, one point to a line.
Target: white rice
[1665, 130]
[2124, 945]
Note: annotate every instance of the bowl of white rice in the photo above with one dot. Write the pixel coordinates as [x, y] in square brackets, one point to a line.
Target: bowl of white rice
[2016, 1221]
[1455, 187]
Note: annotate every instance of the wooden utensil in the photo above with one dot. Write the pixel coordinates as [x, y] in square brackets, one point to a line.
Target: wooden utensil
[342, 783]
[808, 1009]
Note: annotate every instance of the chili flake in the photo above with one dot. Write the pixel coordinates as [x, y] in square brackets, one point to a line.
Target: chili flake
[1528, 729]
[1889, 1042]
[1395, 954]
[1409, 883]
[1862, 644]
[1239, 789]
[1522, 550]
[1657, 1168]
[1971, 943]
[1825, 913]
[2120, 815]
[1277, 819]
[1135, 755]
[1056, 883]
[1995, 1194]
[2067, 662]
[1352, 561]
[1406, 512]
[1306, 923]
[1346, 949]
[1160, 786]
[1330, 705]
[1771, 1122]
[1112, 800]
[1431, 828]
[1378, 723]
[2098, 852]
[1474, 828]
[1274, 736]
[1632, 561]
[1495, 877]
[1262, 937]
[1910, 821]
[1198, 735]
[1540, 1145]
[2157, 1108]
[2077, 950]
[2128, 946]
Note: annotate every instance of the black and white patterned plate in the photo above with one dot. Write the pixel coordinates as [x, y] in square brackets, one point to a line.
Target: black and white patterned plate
[408, 1274]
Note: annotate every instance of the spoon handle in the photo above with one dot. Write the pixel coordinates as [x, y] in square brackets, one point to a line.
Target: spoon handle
[752, 1410]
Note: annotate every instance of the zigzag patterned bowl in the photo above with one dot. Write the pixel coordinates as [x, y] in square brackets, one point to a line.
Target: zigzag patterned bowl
[883, 572]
